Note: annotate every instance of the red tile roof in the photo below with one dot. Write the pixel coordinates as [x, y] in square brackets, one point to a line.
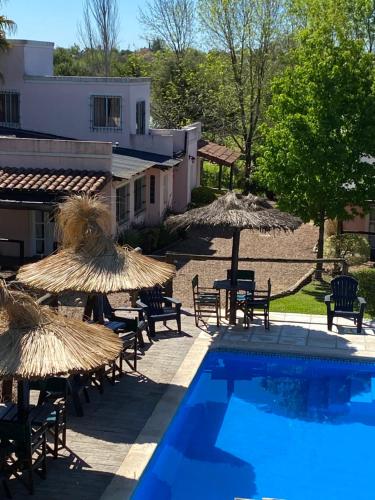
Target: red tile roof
[52, 181]
[217, 153]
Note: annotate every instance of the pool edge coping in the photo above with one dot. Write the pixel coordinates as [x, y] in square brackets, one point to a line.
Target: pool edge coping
[126, 478]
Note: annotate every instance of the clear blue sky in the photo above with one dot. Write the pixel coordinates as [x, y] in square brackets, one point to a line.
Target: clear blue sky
[56, 21]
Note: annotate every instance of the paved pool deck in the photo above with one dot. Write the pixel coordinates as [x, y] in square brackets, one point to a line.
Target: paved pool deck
[112, 443]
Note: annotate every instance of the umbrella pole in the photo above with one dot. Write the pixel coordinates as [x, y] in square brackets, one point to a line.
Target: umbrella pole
[233, 274]
[23, 398]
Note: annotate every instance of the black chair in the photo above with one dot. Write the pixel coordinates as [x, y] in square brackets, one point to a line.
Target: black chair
[55, 391]
[242, 274]
[120, 324]
[206, 301]
[129, 352]
[157, 307]
[23, 449]
[6, 451]
[344, 299]
[260, 300]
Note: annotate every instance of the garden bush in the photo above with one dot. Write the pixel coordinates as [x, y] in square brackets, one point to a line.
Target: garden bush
[351, 247]
[366, 279]
[202, 196]
[150, 239]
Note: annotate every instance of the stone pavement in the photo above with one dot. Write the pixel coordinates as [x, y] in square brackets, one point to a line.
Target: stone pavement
[110, 446]
[302, 334]
[99, 441]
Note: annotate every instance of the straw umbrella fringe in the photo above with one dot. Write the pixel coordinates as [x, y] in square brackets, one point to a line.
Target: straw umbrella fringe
[90, 261]
[235, 212]
[37, 343]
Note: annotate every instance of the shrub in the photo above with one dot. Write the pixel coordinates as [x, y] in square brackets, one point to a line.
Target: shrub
[149, 239]
[366, 279]
[202, 196]
[351, 247]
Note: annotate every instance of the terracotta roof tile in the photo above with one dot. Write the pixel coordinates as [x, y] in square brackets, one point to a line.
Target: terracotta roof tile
[217, 153]
[52, 181]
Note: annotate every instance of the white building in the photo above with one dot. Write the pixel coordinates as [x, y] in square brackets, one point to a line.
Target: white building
[62, 135]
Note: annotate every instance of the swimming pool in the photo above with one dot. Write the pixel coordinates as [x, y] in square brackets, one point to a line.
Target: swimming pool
[254, 426]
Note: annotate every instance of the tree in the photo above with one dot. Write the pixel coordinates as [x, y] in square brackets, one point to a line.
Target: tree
[71, 62]
[6, 26]
[99, 32]
[248, 34]
[354, 19]
[177, 97]
[321, 125]
[170, 21]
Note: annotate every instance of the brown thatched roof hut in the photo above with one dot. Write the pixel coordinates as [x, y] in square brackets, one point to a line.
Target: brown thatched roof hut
[234, 211]
[89, 260]
[231, 214]
[37, 343]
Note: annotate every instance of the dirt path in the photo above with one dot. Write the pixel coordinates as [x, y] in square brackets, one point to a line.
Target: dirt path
[300, 244]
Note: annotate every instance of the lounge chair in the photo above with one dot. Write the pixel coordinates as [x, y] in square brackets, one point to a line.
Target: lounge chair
[344, 298]
[157, 307]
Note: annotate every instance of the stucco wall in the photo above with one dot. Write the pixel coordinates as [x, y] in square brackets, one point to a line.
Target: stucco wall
[15, 224]
[55, 154]
[62, 105]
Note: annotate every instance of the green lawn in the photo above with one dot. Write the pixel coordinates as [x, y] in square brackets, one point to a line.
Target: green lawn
[309, 300]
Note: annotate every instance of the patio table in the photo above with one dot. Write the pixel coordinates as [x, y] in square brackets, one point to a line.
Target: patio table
[40, 413]
[241, 285]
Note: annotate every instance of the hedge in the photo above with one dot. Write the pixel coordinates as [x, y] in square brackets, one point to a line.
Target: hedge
[150, 239]
[201, 196]
[366, 279]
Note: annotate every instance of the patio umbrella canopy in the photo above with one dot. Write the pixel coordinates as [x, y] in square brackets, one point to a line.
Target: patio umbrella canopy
[89, 260]
[232, 213]
[37, 343]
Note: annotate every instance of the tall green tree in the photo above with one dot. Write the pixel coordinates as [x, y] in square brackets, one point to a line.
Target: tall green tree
[321, 125]
[248, 34]
[6, 26]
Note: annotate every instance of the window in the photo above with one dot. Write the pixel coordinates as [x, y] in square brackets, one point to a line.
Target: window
[139, 194]
[152, 189]
[9, 108]
[40, 231]
[122, 204]
[106, 112]
[141, 117]
[165, 189]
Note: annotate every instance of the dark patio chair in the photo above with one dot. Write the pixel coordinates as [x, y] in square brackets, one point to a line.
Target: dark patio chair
[129, 352]
[157, 307]
[24, 451]
[260, 300]
[206, 301]
[55, 390]
[100, 310]
[344, 299]
[242, 274]
[6, 450]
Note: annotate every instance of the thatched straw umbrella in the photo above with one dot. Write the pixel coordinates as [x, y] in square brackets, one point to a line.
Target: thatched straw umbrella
[37, 343]
[231, 214]
[89, 260]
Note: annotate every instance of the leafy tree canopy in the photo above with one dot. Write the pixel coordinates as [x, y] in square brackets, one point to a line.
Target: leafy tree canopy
[321, 123]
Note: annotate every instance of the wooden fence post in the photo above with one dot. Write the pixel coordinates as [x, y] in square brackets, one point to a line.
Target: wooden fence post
[7, 391]
[345, 267]
[169, 284]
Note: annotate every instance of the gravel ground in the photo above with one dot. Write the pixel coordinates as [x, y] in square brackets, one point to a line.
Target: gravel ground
[297, 245]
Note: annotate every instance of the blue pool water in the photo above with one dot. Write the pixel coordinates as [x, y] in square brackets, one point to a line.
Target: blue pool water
[256, 426]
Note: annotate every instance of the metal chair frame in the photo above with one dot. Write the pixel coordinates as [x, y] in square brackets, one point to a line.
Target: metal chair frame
[205, 300]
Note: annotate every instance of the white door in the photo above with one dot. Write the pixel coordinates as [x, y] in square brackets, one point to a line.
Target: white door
[44, 231]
